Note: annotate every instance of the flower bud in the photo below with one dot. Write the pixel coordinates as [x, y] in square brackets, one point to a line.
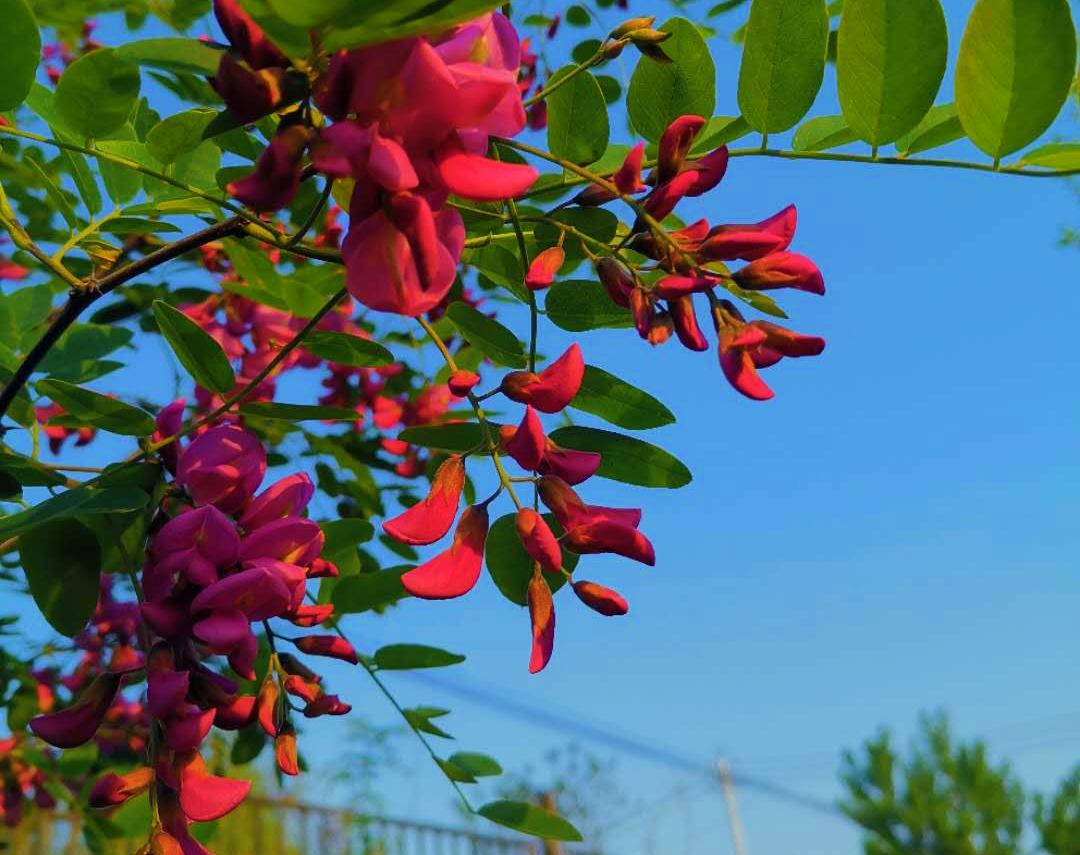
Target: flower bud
[544, 267]
[77, 724]
[111, 789]
[285, 751]
[539, 541]
[328, 645]
[223, 467]
[601, 599]
[542, 618]
[632, 24]
[616, 281]
[553, 388]
[462, 382]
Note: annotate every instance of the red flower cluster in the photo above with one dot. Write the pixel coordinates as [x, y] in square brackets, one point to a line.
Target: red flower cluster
[411, 125]
[695, 260]
[587, 529]
[219, 560]
[59, 434]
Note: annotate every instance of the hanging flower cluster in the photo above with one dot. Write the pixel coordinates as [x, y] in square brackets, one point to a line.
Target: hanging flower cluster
[695, 260]
[586, 529]
[222, 558]
[411, 122]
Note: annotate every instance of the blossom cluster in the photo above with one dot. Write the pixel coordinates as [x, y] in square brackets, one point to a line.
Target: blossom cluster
[585, 529]
[411, 125]
[222, 558]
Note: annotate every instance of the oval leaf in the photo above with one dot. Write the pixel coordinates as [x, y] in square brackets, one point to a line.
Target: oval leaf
[453, 436]
[405, 657]
[197, 350]
[578, 127]
[173, 54]
[890, 59]
[20, 50]
[62, 561]
[98, 92]
[97, 410]
[618, 402]
[661, 92]
[939, 127]
[477, 765]
[783, 62]
[1016, 64]
[80, 501]
[366, 591]
[577, 305]
[1057, 156]
[346, 349]
[822, 133]
[487, 335]
[626, 459]
[529, 819]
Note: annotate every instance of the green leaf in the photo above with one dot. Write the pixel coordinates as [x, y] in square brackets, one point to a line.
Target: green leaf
[20, 51]
[661, 92]
[477, 765]
[179, 134]
[577, 117]
[1057, 156]
[137, 226]
[618, 402]
[248, 744]
[297, 412]
[98, 92]
[938, 127]
[889, 64]
[55, 194]
[28, 472]
[83, 342]
[487, 335]
[821, 133]
[98, 410]
[197, 350]
[783, 62]
[452, 436]
[62, 561]
[190, 56]
[577, 305]
[719, 131]
[509, 564]
[345, 534]
[347, 349]
[625, 458]
[1016, 64]
[367, 591]
[529, 819]
[405, 657]
[122, 183]
[85, 182]
[420, 718]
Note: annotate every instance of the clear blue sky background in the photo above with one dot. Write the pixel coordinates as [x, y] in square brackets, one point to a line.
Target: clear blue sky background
[894, 532]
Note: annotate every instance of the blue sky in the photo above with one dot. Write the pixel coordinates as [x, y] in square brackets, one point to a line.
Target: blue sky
[894, 532]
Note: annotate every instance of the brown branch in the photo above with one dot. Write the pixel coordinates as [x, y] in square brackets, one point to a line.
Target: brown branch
[92, 291]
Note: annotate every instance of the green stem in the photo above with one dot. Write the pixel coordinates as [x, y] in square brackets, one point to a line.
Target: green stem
[312, 216]
[92, 226]
[595, 59]
[485, 426]
[21, 238]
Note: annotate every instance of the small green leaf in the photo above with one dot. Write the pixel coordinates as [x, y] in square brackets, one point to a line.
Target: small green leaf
[822, 133]
[98, 92]
[487, 335]
[20, 52]
[452, 436]
[196, 349]
[455, 772]
[509, 564]
[529, 819]
[62, 561]
[28, 472]
[625, 458]
[1057, 156]
[81, 501]
[370, 23]
[420, 718]
[618, 402]
[783, 62]
[661, 92]
[297, 412]
[137, 226]
[720, 130]
[890, 60]
[248, 744]
[83, 342]
[367, 591]
[938, 127]
[345, 534]
[578, 126]
[190, 56]
[347, 349]
[97, 410]
[405, 657]
[55, 194]
[576, 305]
[178, 134]
[477, 765]
[1016, 65]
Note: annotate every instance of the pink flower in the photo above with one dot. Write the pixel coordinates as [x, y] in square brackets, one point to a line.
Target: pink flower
[276, 177]
[430, 518]
[750, 242]
[592, 528]
[205, 797]
[462, 382]
[601, 599]
[78, 723]
[256, 593]
[539, 541]
[246, 36]
[111, 789]
[455, 571]
[543, 268]
[196, 544]
[781, 270]
[542, 618]
[285, 498]
[526, 444]
[553, 388]
[223, 467]
[327, 645]
[292, 540]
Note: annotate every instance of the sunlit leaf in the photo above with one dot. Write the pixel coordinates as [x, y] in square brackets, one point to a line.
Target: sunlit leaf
[20, 52]
[97, 410]
[405, 657]
[529, 819]
[197, 350]
[577, 117]
[97, 92]
[487, 335]
[626, 458]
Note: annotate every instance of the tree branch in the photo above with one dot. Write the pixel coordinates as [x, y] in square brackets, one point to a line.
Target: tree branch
[91, 291]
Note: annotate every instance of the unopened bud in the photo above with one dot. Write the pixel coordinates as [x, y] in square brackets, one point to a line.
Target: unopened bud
[627, 27]
[648, 36]
[611, 50]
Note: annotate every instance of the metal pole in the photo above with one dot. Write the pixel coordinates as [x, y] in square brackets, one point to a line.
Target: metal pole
[727, 784]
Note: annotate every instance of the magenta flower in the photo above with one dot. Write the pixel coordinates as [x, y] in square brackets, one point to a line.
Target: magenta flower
[223, 467]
